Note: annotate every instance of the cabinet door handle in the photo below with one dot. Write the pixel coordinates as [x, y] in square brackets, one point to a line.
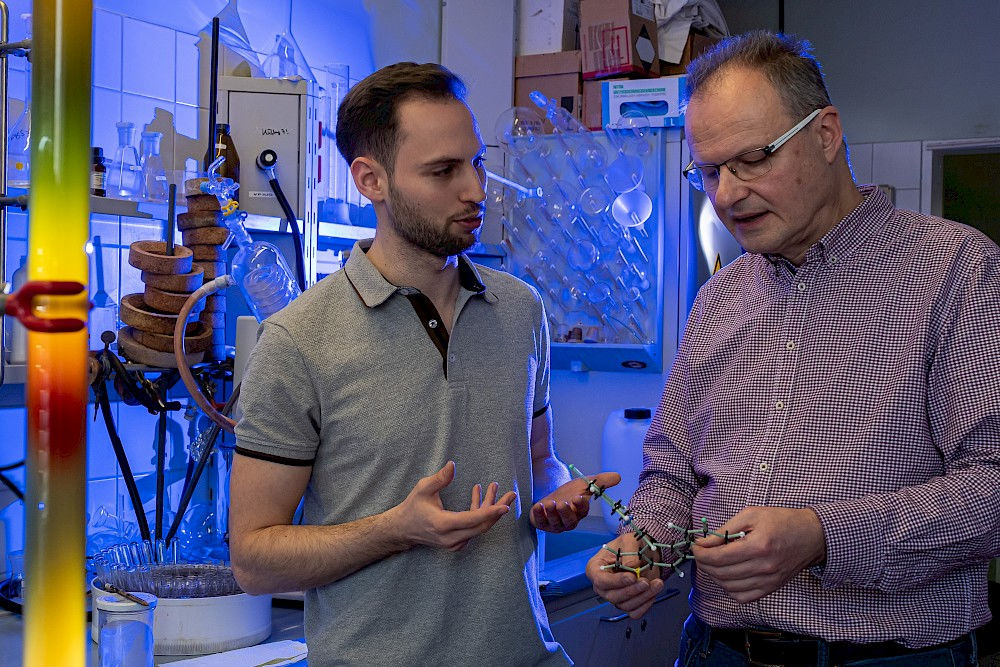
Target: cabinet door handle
[665, 595]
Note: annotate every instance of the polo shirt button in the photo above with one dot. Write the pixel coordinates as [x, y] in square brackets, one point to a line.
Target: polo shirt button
[432, 324]
[451, 358]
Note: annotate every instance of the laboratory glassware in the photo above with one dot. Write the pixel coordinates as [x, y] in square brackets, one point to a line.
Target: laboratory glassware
[19, 134]
[154, 177]
[286, 60]
[125, 630]
[223, 146]
[126, 170]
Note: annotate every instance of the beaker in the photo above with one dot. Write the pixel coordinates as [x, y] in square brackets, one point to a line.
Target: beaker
[154, 177]
[125, 630]
[126, 170]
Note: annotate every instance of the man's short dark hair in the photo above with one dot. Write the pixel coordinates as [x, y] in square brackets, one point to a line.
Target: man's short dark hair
[785, 60]
[368, 122]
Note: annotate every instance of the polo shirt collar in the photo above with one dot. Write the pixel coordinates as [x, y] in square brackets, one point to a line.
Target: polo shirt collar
[374, 289]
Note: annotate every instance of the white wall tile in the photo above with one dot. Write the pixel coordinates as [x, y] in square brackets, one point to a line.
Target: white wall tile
[16, 249]
[148, 59]
[186, 71]
[186, 120]
[142, 111]
[17, 224]
[107, 110]
[897, 164]
[908, 198]
[12, 434]
[107, 53]
[861, 163]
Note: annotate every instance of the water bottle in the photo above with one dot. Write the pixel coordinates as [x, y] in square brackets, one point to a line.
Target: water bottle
[621, 451]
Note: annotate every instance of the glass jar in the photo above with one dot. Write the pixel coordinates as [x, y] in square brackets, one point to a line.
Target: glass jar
[154, 177]
[125, 630]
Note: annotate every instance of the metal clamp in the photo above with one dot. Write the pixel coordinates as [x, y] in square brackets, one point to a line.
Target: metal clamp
[20, 304]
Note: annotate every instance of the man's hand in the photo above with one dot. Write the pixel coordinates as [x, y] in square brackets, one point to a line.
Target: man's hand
[623, 589]
[422, 519]
[562, 509]
[779, 543]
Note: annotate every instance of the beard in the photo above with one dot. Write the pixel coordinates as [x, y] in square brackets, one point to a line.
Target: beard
[422, 232]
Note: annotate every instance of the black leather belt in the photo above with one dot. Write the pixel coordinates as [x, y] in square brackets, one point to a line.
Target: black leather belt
[777, 648]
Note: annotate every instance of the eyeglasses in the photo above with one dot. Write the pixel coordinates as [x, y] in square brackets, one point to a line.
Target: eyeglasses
[745, 166]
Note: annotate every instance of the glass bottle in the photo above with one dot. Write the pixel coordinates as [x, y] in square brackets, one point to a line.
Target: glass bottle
[19, 134]
[154, 177]
[98, 172]
[261, 273]
[126, 174]
[125, 630]
[223, 145]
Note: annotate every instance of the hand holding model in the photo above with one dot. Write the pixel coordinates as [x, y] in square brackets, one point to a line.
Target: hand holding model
[565, 507]
[627, 591]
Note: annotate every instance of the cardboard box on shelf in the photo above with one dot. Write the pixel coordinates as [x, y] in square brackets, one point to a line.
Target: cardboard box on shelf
[547, 26]
[592, 107]
[618, 38]
[697, 43]
[658, 99]
[556, 75]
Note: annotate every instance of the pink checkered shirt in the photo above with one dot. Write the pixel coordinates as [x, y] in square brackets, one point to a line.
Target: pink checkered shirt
[866, 386]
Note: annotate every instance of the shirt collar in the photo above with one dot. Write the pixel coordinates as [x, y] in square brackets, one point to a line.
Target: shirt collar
[374, 289]
[847, 235]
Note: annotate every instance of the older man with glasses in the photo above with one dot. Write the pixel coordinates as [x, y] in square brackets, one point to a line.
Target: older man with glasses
[836, 398]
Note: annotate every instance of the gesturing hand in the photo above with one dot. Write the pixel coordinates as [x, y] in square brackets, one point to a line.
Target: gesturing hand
[629, 593]
[422, 519]
[564, 508]
[780, 542]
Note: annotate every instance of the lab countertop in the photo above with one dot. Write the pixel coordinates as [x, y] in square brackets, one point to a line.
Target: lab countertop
[285, 624]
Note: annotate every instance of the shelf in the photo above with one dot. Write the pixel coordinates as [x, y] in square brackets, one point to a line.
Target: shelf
[15, 373]
[606, 357]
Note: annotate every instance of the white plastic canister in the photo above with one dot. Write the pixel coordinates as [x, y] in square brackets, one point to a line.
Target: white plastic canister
[621, 451]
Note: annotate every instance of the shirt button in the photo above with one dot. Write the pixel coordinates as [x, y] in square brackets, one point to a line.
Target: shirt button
[763, 467]
[790, 345]
[802, 287]
[780, 405]
[833, 259]
[451, 358]
[432, 324]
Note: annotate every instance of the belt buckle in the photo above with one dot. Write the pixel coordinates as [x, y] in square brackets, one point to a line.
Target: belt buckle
[763, 634]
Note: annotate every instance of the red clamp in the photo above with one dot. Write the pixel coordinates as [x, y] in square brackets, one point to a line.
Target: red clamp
[19, 304]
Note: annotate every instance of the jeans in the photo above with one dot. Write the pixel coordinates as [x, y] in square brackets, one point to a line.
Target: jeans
[697, 649]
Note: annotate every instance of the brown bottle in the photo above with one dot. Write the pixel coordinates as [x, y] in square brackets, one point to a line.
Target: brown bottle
[222, 144]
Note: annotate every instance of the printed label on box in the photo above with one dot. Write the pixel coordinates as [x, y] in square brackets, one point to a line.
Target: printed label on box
[657, 99]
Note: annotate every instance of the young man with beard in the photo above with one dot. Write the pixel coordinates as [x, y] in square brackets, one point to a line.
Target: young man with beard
[835, 397]
[386, 395]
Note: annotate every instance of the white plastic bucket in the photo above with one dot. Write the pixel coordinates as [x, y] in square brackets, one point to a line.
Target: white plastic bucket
[621, 451]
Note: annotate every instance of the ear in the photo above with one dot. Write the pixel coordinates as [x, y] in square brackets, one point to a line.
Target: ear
[831, 133]
[370, 178]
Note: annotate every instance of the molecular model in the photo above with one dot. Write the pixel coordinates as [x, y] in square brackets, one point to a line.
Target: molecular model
[649, 549]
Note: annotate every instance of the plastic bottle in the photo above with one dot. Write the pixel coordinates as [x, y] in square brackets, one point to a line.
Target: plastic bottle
[222, 144]
[16, 334]
[154, 177]
[621, 450]
[126, 174]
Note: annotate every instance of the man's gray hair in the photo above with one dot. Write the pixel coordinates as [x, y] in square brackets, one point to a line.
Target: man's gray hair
[785, 60]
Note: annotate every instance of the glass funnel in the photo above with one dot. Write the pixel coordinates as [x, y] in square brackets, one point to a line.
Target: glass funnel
[233, 35]
[286, 60]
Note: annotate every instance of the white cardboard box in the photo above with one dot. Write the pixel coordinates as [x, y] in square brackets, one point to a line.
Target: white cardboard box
[547, 26]
[659, 99]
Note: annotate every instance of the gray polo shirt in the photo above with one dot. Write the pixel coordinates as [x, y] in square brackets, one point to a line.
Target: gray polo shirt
[358, 379]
